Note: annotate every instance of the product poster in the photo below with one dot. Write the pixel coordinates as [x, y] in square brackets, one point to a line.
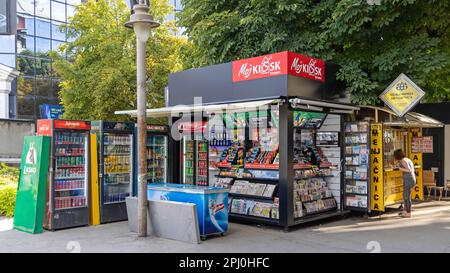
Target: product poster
[31, 193]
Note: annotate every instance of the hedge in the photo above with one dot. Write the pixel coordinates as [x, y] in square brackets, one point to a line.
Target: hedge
[8, 187]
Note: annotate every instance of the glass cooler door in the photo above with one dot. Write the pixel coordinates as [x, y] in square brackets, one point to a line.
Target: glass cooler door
[157, 158]
[117, 167]
[71, 159]
[188, 160]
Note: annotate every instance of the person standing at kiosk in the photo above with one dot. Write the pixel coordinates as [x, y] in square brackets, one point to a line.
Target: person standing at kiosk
[409, 180]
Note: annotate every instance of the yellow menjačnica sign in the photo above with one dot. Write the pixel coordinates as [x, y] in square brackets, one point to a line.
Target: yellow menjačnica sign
[376, 167]
[417, 190]
[402, 95]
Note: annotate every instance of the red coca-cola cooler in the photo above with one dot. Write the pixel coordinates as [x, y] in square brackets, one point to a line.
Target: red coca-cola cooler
[69, 180]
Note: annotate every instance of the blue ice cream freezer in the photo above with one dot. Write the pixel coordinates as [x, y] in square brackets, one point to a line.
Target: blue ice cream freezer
[212, 203]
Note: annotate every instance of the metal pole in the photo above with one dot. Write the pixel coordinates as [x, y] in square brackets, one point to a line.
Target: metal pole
[142, 137]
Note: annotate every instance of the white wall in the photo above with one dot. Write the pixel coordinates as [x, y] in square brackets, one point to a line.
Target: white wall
[11, 137]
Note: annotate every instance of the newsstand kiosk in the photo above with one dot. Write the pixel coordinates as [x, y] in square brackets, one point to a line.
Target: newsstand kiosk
[371, 175]
[267, 128]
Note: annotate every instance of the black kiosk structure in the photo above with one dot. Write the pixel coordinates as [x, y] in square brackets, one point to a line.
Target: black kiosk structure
[269, 129]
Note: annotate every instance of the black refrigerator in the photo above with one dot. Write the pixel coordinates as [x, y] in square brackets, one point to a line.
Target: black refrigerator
[115, 157]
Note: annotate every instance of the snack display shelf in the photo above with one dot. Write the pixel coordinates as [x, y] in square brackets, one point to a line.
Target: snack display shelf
[261, 166]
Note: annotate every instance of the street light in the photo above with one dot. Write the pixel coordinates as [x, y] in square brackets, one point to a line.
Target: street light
[142, 22]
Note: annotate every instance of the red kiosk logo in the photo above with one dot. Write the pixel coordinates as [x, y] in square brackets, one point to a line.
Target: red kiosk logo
[276, 64]
[310, 68]
[260, 67]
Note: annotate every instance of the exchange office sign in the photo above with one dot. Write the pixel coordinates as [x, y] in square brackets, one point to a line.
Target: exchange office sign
[276, 64]
[376, 167]
[402, 95]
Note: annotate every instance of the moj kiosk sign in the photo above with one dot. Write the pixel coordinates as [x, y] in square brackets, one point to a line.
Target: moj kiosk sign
[402, 95]
[276, 64]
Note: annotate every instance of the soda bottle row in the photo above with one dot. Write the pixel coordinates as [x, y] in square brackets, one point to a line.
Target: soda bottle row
[65, 151]
[70, 138]
[116, 197]
[70, 161]
[202, 171]
[117, 140]
[68, 173]
[70, 202]
[117, 149]
[220, 142]
[117, 178]
[69, 184]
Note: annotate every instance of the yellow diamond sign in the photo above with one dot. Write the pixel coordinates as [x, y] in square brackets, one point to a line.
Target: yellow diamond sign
[402, 95]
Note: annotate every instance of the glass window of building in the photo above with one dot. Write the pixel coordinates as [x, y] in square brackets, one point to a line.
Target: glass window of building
[56, 46]
[74, 2]
[43, 67]
[42, 28]
[26, 107]
[25, 7]
[42, 8]
[58, 11]
[70, 12]
[55, 88]
[26, 65]
[58, 31]
[8, 59]
[42, 47]
[7, 44]
[25, 45]
[25, 86]
[43, 87]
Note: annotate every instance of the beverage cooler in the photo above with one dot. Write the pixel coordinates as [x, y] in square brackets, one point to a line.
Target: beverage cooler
[157, 155]
[194, 154]
[68, 188]
[115, 156]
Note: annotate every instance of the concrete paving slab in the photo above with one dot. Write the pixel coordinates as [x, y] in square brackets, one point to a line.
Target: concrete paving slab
[427, 231]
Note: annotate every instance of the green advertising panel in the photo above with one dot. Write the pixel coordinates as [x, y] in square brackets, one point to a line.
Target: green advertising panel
[31, 193]
[308, 120]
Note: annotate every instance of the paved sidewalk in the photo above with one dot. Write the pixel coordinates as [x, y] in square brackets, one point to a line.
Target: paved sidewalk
[427, 231]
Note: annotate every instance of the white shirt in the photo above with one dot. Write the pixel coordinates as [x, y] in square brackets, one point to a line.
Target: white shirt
[408, 164]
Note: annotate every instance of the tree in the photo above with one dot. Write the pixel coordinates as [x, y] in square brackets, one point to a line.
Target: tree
[99, 75]
[373, 41]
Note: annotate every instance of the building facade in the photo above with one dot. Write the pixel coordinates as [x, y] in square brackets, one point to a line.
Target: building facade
[29, 30]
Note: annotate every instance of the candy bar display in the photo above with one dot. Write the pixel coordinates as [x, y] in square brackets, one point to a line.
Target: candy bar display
[356, 164]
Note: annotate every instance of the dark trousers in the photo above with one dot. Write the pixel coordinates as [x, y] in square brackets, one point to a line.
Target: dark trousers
[408, 184]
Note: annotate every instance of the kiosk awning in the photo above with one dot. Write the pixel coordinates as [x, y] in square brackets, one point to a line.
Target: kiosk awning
[409, 120]
[213, 108]
[322, 106]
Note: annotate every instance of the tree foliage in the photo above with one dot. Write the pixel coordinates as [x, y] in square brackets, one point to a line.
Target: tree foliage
[99, 75]
[373, 40]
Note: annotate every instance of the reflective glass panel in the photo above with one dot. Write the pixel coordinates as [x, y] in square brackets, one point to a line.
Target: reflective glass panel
[42, 47]
[25, 86]
[42, 28]
[7, 44]
[26, 65]
[58, 11]
[43, 8]
[8, 59]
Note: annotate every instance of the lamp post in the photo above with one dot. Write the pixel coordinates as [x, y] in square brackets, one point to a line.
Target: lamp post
[142, 23]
